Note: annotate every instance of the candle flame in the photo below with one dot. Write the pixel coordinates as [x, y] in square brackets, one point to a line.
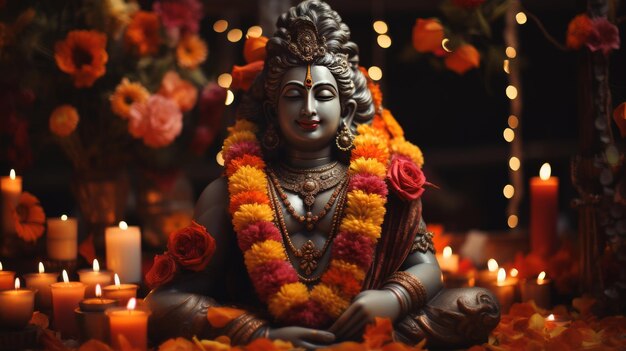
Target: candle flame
[514, 272]
[447, 251]
[98, 290]
[41, 268]
[541, 277]
[492, 265]
[0, 266]
[12, 174]
[66, 279]
[117, 280]
[96, 265]
[132, 303]
[123, 225]
[64, 217]
[550, 317]
[501, 275]
[544, 172]
[17, 283]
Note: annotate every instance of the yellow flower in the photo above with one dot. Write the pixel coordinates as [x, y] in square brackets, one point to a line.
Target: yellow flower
[403, 147]
[367, 207]
[259, 253]
[369, 165]
[373, 140]
[247, 178]
[239, 137]
[288, 296]
[63, 120]
[392, 124]
[126, 94]
[243, 125]
[250, 213]
[329, 299]
[348, 268]
[365, 129]
[358, 226]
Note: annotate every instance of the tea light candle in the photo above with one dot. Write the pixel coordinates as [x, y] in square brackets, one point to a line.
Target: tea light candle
[448, 261]
[93, 277]
[11, 187]
[6, 279]
[553, 321]
[537, 290]
[123, 251]
[488, 277]
[65, 299]
[62, 241]
[121, 292]
[92, 321]
[504, 290]
[41, 281]
[16, 306]
[130, 323]
[544, 204]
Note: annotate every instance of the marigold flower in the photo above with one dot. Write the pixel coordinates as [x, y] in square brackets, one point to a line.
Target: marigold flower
[157, 121]
[264, 252]
[367, 207]
[405, 148]
[29, 217]
[368, 165]
[63, 120]
[329, 299]
[125, 95]
[250, 213]
[254, 49]
[359, 226]
[191, 51]
[288, 296]
[247, 197]
[238, 137]
[181, 91]
[243, 125]
[348, 268]
[83, 56]
[247, 179]
[427, 35]
[578, 31]
[392, 124]
[463, 59]
[245, 160]
[143, 33]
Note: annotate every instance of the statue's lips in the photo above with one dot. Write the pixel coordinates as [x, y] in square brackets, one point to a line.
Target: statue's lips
[308, 124]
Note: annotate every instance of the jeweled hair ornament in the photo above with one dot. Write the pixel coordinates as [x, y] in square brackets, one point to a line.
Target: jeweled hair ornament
[304, 42]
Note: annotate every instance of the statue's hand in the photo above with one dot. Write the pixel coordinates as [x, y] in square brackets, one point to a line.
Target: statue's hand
[365, 307]
[303, 337]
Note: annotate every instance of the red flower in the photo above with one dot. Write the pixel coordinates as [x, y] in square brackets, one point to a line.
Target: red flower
[163, 270]
[604, 36]
[192, 247]
[578, 31]
[406, 179]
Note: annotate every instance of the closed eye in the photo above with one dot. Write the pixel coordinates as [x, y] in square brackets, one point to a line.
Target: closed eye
[292, 94]
[325, 95]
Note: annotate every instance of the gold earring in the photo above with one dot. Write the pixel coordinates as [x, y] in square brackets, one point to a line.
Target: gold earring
[344, 139]
[270, 138]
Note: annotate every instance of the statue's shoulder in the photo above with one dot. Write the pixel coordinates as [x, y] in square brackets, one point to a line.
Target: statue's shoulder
[214, 195]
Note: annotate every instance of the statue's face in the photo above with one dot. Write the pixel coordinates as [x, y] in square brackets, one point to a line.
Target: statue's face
[308, 118]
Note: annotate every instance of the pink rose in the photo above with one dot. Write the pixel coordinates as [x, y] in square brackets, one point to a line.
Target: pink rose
[158, 121]
[406, 179]
[181, 91]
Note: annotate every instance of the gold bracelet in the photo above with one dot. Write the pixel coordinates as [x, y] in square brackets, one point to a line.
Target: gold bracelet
[240, 330]
[412, 285]
[402, 298]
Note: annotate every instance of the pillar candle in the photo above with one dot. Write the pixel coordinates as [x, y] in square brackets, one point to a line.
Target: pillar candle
[42, 281]
[538, 290]
[6, 279]
[504, 290]
[448, 261]
[130, 323]
[123, 251]
[544, 191]
[92, 277]
[65, 299]
[62, 240]
[11, 187]
[120, 292]
[91, 318]
[16, 306]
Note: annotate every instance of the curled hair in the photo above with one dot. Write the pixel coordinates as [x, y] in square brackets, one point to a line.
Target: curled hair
[341, 59]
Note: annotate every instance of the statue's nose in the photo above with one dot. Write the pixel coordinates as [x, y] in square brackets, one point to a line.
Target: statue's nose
[309, 105]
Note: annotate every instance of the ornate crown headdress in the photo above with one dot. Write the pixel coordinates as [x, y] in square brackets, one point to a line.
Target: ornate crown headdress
[304, 42]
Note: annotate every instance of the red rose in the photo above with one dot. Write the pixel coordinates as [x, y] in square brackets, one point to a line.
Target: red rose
[163, 271]
[192, 247]
[406, 179]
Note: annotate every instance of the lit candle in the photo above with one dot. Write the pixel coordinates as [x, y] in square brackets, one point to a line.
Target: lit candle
[41, 281]
[130, 323]
[544, 201]
[553, 322]
[65, 299]
[93, 277]
[92, 321]
[6, 279]
[504, 290]
[120, 292]
[11, 189]
[62, 238]
[537, 290]
[448, 261]
[16, 306]
[123, 251]
[487, 277]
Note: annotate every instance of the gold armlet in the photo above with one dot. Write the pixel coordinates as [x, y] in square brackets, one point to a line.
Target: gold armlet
[413, 286]
[241, 330]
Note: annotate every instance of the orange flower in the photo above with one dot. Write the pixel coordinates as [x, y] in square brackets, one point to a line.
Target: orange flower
[619, 116]
[463, 59]
[427, 35]
[29, 217]
[247, 197]
[392, 124]
[126, 94]
[243, 76]
[578, 31]
[245, 160]
[254, 49]
[143, 32]
[82, 55]
[191, 51]
[181, 91]
[63, 120]
[178, 344]
[94, 345]
[378, 334]
[219, 317]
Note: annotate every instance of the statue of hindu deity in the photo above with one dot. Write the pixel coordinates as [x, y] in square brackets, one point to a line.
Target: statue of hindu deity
[317, 218]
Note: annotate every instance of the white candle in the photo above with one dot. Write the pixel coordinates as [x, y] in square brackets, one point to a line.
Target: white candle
[93, 277]
[41, 281]
[11, 189]
[123, 251]
[16, 306]
[448, 261]
[62, 238]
